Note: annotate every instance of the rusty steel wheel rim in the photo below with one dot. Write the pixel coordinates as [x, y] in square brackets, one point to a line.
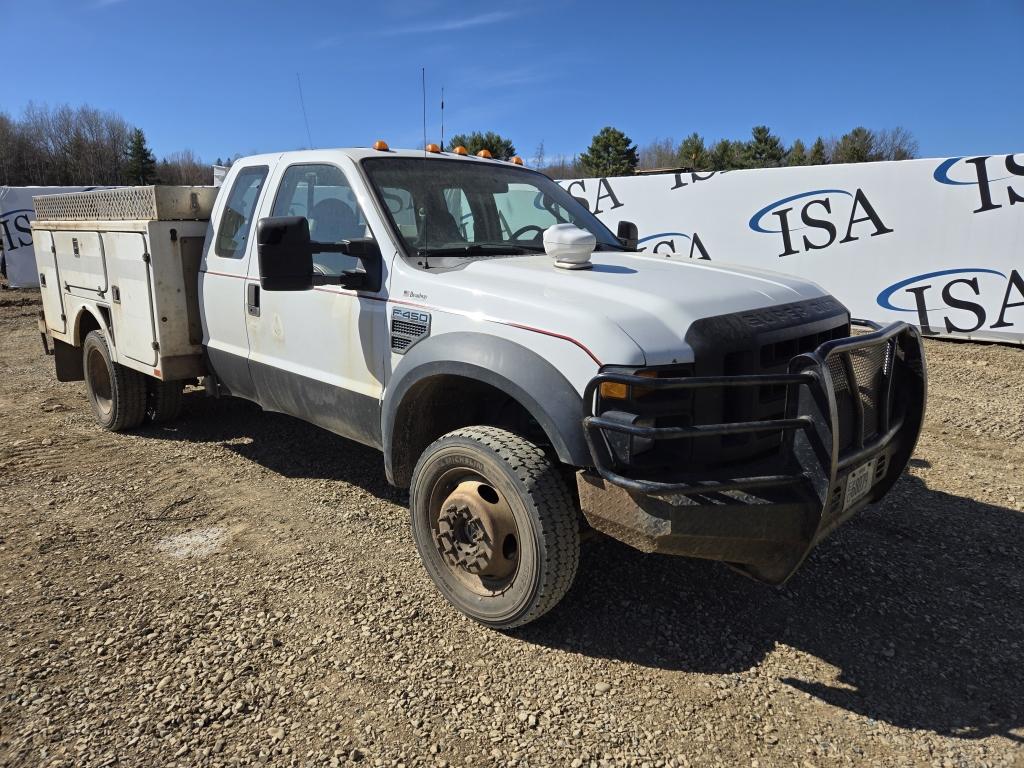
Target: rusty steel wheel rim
[474, 532]
[99, 381]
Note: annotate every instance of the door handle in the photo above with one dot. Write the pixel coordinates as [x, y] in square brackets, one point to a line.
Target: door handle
[252, 299]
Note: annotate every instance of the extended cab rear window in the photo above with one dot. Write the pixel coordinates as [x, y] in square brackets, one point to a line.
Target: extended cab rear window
[236, 220]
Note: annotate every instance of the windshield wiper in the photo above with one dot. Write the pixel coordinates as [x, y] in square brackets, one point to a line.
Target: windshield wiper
[478, 249]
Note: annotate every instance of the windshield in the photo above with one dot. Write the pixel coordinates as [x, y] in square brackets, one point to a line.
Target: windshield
[454, 207]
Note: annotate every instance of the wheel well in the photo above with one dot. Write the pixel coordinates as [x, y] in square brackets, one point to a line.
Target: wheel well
[86, 322]
[439, 404]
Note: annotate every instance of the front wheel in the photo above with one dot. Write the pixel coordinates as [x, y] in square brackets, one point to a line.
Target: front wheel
[495, 525]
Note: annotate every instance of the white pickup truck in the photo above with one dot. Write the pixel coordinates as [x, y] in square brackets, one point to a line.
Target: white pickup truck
[525, 372]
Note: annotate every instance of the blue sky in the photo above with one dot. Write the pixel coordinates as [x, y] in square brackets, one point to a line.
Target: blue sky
[219, 77]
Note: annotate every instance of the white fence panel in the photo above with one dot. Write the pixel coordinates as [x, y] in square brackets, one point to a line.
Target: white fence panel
[938, 243]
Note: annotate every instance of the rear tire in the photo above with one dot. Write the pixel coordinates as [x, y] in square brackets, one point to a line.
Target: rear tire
[495, 525]
[163, 400]
[117, 395]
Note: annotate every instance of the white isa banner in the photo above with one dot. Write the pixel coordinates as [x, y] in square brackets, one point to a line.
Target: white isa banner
[16, 212]
[938, 243]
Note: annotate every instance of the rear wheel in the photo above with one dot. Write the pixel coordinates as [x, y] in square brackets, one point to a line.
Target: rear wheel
[163, 400]
[495, 525]
[117, 394]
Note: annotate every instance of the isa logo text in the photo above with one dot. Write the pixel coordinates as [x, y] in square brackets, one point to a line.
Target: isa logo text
[818, 219]
[994, 178]
[957, 299]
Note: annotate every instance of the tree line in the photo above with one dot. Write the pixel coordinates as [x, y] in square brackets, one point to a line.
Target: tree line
[80, 146]
[612, 153]
[84, 146]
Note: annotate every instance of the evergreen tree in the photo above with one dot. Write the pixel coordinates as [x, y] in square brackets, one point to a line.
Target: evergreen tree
[797, 154]
[611, 153]
[140, 167]
[764, 150]
[725, 155]
[817, 155]
[857, 146]
[693, 154]
[499, 147]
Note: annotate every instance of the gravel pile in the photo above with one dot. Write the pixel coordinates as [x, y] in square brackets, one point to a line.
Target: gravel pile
[241, 589]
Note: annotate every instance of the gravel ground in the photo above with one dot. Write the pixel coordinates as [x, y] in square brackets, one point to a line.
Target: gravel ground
[241, 588]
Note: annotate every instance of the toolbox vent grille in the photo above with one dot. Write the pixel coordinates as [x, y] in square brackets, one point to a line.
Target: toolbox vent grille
[128, 204]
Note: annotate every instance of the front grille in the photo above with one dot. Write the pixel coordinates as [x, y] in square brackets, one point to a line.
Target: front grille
[765, 402]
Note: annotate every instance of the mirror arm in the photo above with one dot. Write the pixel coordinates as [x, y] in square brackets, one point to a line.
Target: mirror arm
[341, 247]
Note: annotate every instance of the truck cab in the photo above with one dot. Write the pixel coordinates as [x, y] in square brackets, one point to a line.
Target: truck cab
[527, 374]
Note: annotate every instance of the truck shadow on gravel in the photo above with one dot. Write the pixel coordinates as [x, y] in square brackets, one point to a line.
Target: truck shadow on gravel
[282, 444]
[918, 603]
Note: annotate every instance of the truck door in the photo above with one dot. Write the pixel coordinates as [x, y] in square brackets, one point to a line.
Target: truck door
[319, 354]
[222, 278]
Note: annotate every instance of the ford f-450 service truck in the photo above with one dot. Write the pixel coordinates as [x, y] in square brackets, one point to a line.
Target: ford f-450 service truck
[525, 372]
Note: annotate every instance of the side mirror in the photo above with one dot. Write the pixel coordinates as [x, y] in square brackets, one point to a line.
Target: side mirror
[628, 235]
[285, 253]
[286, 257]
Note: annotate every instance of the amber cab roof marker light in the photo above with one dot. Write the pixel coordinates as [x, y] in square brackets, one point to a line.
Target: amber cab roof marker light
[517, 160]
[433, 148]
[380, 145]
[484, 153]
[460, 150]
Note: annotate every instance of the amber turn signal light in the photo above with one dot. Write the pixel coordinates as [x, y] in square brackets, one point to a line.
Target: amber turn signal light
[614, 390]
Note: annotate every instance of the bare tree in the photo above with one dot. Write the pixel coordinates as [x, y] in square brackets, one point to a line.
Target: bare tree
[77, 146]
[184, 168]
[895, 144]
[562, 167]
[659, 153]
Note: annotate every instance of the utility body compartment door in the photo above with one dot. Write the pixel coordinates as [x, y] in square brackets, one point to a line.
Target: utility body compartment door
[81, 262]
[49, 281]
[131, 296]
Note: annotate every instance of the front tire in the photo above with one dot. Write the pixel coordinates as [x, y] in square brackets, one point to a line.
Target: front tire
[117, 395]
[495, 525]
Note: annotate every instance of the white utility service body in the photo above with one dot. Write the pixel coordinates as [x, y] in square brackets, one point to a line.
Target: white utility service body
[477, 324]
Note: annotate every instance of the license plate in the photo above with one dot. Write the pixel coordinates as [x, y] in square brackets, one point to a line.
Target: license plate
[858, 483]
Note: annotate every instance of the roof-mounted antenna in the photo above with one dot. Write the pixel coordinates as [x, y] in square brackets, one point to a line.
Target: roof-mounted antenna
[442, 118]
[302, 103]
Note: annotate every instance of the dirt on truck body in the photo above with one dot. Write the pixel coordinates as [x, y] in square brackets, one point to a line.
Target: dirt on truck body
[240, 588]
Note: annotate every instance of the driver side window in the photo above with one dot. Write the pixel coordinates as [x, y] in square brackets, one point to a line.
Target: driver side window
[322, 194]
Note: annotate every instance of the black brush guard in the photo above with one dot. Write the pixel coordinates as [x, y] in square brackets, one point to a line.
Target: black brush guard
[854, 407]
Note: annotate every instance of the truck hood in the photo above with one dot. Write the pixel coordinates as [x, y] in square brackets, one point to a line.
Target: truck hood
[628, 309]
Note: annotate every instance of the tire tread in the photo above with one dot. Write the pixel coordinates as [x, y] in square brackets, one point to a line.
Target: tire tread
[553, 508]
